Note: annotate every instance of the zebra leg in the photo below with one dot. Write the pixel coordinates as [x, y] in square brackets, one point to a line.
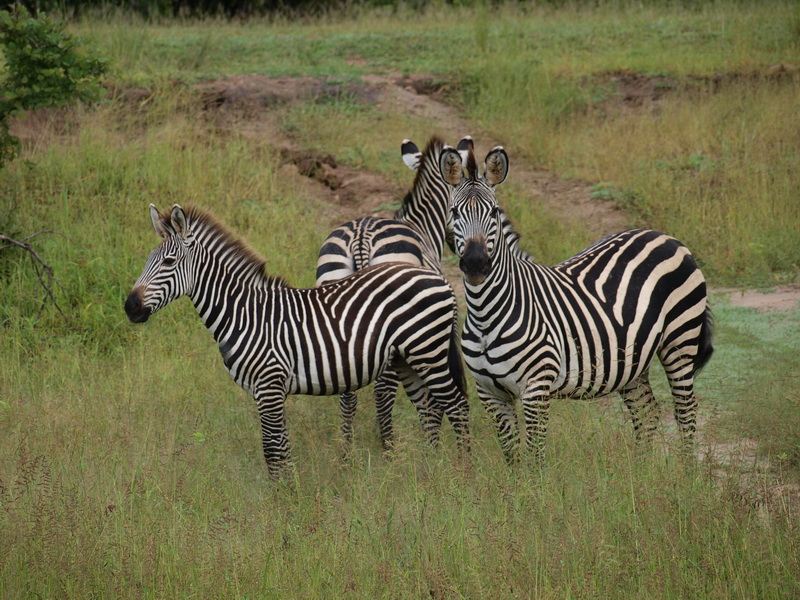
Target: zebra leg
[271, 405]
[680, 370]
[638, 397]
[442, 396]
[430, 415]
[536, 410]
[385, 393]
[505, 421]
[347, 409]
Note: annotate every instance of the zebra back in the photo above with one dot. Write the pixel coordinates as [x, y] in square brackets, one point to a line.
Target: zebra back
[416, 235]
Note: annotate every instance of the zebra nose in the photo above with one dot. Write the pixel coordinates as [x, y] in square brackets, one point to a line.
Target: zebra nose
[475, 262]
[136, 312]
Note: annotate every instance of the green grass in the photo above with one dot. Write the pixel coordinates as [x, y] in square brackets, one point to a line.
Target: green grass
[132, 463]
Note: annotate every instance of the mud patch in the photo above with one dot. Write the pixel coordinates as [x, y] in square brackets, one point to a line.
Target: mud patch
[320, 167]
[784, 298]
[640, 91]
[254, 93]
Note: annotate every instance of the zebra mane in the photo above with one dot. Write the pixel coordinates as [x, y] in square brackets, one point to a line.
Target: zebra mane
[204, 225]
[512, 238]
[472, 165]
[429, 161]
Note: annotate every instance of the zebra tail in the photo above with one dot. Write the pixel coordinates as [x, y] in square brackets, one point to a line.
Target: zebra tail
[704, 347]
[455, 361]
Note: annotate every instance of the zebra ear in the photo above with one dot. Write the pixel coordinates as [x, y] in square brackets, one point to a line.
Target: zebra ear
[178, 219]
[464, 146]
[411, 154]
[496, 166]
[450, 166]
[158, 224]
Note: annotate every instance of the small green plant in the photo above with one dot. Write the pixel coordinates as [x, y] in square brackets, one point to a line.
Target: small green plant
[44, 67]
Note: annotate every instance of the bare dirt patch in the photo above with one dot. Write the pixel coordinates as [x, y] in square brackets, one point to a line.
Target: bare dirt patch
[780, 298]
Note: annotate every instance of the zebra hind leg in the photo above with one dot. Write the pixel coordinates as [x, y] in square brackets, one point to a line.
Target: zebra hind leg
[429, 411]
[680, 370]
[385, 393]
[638, 397]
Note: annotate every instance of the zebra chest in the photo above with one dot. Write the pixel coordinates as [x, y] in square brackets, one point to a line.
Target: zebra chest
[506, 364]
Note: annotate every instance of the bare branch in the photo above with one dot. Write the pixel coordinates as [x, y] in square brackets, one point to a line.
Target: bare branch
[44, 272]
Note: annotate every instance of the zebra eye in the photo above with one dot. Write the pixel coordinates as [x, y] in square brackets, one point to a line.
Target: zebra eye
[454, 211]
[168, 261]
[494, 211]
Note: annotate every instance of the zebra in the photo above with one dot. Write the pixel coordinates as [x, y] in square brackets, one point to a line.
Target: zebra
[588, 326]
[416, 235]
[276, 340]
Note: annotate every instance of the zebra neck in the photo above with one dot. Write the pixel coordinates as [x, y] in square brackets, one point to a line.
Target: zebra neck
[426, 214]
[224, 287]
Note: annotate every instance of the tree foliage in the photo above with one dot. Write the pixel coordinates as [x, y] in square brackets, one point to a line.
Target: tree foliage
[44, 66]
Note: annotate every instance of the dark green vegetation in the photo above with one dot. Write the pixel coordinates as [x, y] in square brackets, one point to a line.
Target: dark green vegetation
[43, 69]
[132, 465]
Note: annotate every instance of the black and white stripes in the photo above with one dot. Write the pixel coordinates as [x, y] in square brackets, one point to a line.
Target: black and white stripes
[416, 236]
[276, 340]
[588, 326]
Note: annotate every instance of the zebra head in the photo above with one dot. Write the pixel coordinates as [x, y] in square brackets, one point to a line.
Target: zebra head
[475, 213]
[166, 274]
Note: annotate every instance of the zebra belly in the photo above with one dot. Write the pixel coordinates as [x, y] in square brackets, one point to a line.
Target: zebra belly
[330, 378]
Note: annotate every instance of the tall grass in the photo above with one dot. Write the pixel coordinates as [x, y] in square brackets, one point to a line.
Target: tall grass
[712, 165]
[132, 464]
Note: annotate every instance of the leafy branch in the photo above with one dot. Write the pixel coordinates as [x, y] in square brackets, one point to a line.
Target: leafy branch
[44, 272]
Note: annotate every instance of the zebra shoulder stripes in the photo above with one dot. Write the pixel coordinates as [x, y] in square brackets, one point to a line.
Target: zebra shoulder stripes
[416, 236]
[276, 340]
[588, 326]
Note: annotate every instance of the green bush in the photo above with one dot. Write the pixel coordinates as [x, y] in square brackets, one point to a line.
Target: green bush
[44, 67]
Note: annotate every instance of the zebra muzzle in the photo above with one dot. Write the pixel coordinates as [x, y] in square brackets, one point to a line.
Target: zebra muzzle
[475, 262]
[136, 311]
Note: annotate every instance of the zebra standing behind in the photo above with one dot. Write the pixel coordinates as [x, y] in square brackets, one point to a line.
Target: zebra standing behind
[416, 235]
[276, 340]
[588, 326]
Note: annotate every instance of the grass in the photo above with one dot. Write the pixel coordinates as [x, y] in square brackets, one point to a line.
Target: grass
[132, 462]
[711, 163]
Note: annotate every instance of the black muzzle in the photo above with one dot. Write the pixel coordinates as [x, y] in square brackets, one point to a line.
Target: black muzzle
[475, 262]
[137, 313]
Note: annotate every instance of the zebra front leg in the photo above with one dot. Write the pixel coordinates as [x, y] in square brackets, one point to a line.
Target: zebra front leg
[271, 404]
[385, 394]
[505, 422]
[536, 409]
[347, 409]
[638, 397]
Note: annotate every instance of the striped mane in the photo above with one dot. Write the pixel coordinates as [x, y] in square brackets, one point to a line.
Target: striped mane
[205, 226]
[472, 166]
[428, 165]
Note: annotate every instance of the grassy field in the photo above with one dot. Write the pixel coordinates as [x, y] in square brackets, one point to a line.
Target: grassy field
[132, 463]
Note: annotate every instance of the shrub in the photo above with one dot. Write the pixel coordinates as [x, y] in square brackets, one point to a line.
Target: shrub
[44, 67]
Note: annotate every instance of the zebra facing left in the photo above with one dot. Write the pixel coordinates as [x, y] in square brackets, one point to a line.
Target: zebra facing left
[276, 340]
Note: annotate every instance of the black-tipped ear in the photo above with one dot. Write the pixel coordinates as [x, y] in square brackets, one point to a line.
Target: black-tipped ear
[496, 166]
[450, 166]
[178, 219]
[158, 224]
[464, 147]
[411, 154]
